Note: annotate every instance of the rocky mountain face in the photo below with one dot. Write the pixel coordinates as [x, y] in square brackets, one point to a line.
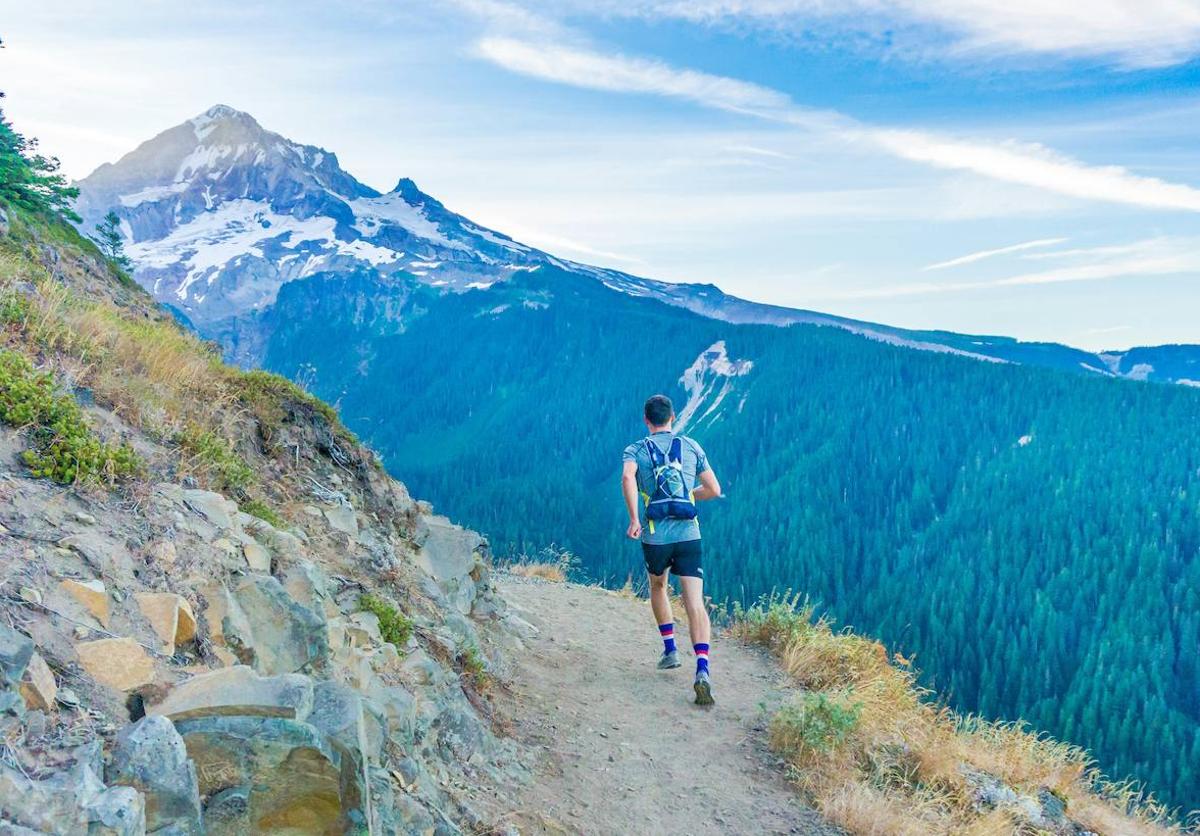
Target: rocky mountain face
[171, 662]
[220, 213]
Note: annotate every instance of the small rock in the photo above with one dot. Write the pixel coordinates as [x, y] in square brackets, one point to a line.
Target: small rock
[31, 595]
[68, 698]
[212, 506]
[35, 725]
[83, 518]
[121, 664]
[92, 595]
[38, 687]
[163, 552]
[171, 617]
[343, 518]
[257, 558]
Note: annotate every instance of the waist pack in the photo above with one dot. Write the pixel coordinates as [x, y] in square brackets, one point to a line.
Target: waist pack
[672, 497]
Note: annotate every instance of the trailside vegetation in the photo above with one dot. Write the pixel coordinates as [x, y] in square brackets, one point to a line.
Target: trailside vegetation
[875, 753]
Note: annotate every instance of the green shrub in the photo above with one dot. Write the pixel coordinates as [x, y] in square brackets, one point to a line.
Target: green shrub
[268, 390]
[14, 308]
[475, 666]
[257, 508]
[64, 449]
[813, 725]
[773, 620]
[213, 455]
[394, 626]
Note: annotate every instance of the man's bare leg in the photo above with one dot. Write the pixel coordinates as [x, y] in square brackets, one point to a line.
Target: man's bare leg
[660, 600]
[660, 603]
[692, 592]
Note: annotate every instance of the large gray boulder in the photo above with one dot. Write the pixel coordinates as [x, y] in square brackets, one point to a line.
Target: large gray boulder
[238, 691]
[150, 756]
[269, 774]
[447, 550]
[450, 555]
[16, 650]
[73, 802]
[265, 628]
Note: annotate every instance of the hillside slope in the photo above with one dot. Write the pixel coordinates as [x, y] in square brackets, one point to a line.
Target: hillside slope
[218, 615]
[183, 541]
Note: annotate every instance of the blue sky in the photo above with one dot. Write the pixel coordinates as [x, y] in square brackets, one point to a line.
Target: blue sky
[1014, 167]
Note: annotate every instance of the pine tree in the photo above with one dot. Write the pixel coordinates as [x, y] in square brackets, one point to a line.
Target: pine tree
[29, 180]
[111, 242]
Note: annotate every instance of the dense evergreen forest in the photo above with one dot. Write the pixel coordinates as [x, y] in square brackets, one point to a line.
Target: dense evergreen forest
[1032, 536]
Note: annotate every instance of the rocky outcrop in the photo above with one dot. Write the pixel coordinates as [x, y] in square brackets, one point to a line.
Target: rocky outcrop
[151, 757]
[172, 664]
[271, 701]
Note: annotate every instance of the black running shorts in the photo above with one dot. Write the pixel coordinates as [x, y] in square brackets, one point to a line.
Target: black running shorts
[681, 558]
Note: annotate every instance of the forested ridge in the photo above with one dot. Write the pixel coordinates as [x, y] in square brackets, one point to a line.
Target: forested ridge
[1030, 535]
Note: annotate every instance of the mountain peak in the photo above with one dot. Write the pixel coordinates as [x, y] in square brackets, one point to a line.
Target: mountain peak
[223, 111]
[225, 120]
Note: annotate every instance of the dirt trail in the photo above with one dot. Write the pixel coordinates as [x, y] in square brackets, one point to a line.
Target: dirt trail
[624, 749]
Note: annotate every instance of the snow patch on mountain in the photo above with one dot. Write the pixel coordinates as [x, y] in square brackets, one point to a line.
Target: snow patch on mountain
[1140, 371]
[152, 193]
[708, 381]
[372, 213]
[237, 229]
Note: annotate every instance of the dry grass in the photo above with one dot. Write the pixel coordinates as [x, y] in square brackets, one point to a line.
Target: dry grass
[876, 755]
[549, 564]
[138, 363]
[546, 571]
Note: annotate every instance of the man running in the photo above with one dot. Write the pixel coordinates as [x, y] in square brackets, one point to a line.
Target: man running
[659, 481]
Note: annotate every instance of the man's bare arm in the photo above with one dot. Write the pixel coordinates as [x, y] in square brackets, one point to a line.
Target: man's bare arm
[709, 488]
[630, 489]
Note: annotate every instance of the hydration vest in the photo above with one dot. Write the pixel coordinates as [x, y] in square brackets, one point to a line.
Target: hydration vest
[672, 497]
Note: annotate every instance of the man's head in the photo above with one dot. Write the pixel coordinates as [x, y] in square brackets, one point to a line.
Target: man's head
[659, 412]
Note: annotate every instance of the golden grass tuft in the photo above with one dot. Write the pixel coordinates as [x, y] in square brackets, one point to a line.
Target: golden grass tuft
[549, 564]
[876, 754]
[546, 571]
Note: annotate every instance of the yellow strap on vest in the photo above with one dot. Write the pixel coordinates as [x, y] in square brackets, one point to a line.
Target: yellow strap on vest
[646, 500]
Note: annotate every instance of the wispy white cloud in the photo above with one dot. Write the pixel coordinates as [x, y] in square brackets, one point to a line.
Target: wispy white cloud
[621, 74]
[970, 258]
[1105, 251]
[1158, 257]
[1013, 162]
[754, 150]
[1132, 33]
[1041, 167]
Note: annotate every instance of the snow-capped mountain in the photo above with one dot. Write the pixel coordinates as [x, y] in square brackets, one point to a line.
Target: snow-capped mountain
[219, 213]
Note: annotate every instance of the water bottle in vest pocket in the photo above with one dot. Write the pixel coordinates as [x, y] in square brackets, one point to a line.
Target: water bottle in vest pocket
[672, 497]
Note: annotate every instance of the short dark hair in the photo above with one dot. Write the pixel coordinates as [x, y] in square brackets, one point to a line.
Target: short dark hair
[659, 410]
